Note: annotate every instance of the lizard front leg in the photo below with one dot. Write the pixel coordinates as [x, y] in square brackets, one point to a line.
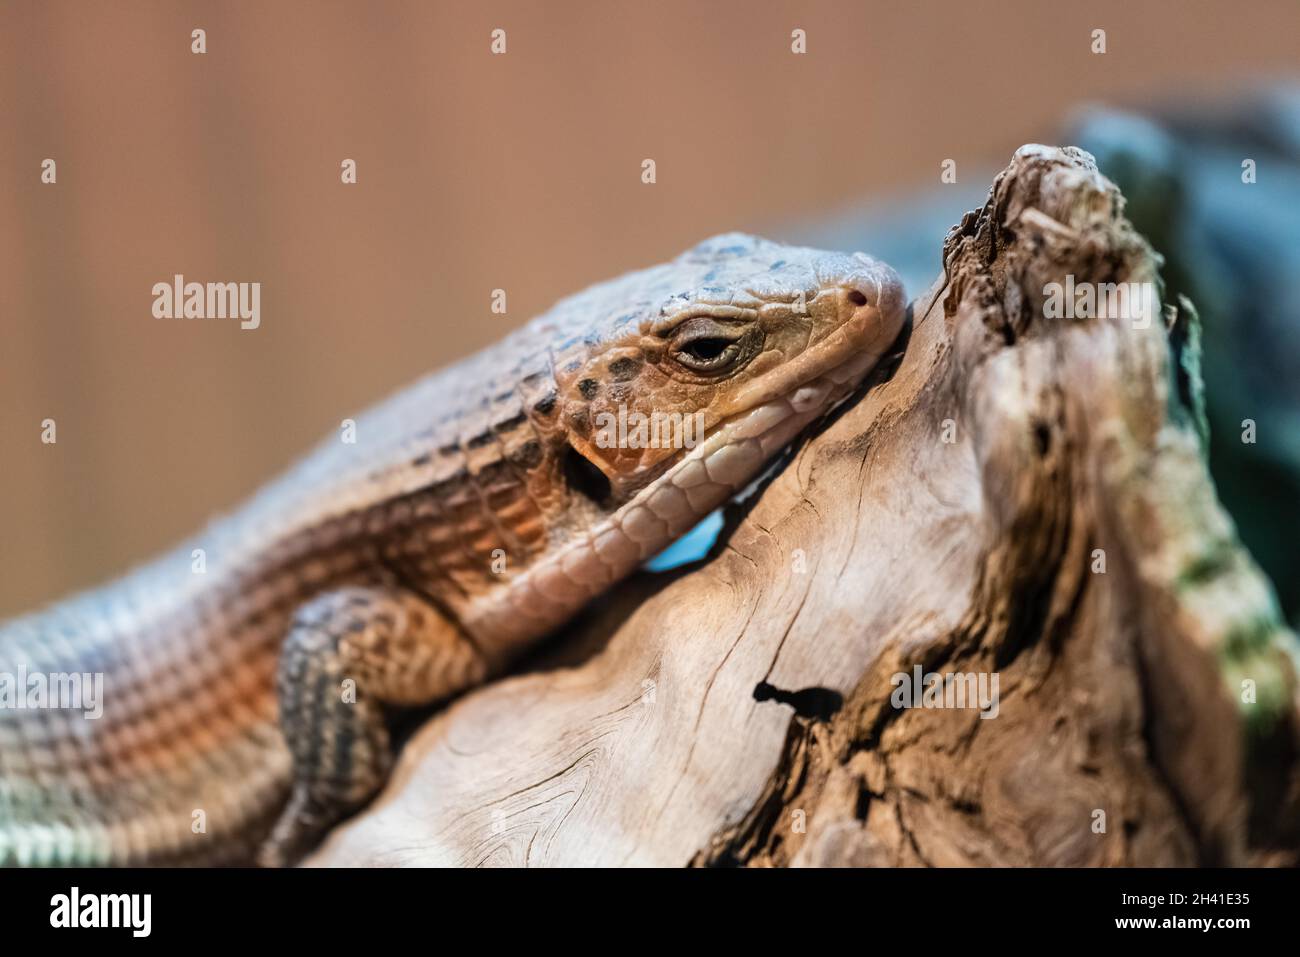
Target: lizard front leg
[348, 653]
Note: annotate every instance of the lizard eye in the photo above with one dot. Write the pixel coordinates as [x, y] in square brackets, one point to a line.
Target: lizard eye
[707, 353]
[704, 345]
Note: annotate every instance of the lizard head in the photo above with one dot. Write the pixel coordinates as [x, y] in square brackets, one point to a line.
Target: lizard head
[669, 391]
[721, 356]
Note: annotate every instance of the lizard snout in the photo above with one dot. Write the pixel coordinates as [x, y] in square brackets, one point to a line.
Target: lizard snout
[871, 301]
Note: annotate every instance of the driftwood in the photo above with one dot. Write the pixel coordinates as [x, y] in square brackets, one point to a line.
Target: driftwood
[1016, 494]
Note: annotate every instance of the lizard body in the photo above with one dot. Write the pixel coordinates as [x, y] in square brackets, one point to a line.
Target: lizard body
[475, 512]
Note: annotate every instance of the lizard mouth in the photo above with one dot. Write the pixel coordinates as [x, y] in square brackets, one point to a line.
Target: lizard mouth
[737, 449]
[768, 414]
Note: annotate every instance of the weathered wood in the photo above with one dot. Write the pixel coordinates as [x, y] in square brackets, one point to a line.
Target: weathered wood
[957, 517]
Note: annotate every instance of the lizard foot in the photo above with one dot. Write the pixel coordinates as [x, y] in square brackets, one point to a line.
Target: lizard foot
[349, 653]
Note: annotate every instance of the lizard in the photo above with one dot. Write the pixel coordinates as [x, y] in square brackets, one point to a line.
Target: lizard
[247, 708]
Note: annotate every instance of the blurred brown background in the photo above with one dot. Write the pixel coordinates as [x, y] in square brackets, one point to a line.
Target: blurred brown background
[519, 171]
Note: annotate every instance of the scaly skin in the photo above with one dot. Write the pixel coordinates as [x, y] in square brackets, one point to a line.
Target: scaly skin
[468, 520]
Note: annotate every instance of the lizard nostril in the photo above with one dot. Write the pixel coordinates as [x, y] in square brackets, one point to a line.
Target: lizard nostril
[857, 297]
